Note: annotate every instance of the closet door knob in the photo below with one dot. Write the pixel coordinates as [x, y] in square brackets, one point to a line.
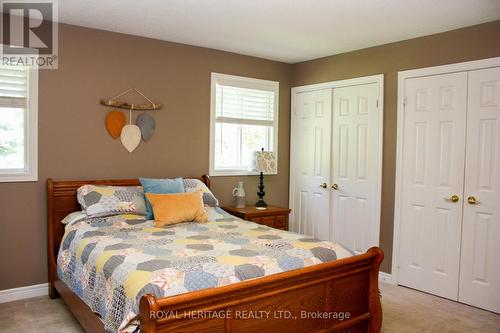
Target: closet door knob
[323, 185]
[335, 187]
[453, 198]
[472, 200]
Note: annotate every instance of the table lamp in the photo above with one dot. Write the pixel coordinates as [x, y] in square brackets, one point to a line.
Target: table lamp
[263, 162]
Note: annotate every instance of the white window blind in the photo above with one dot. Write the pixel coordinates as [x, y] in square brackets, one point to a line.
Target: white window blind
[239, 105]
[244, 114]
[13, 85]
[18, 123]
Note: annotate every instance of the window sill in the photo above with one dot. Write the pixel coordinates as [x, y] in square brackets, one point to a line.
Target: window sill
[222, 173]
[14, 178]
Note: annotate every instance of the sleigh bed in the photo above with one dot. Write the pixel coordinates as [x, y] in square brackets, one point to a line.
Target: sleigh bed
[307, 299]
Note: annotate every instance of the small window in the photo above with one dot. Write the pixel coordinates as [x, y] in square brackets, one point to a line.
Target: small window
[18, 123]
[243, 119]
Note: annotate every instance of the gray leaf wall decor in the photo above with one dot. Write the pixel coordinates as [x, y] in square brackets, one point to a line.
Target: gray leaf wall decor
[147, 125]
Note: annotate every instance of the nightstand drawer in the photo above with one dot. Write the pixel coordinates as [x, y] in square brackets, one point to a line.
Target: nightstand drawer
[282, 222]
[278, 222]
[270, 221]
[274, 217]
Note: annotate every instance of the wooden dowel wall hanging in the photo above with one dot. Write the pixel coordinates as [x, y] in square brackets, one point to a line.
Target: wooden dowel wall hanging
[114, 102]
[130, 135]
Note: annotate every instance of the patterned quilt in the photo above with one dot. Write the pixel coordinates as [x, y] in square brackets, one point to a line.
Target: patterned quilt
[111, 262]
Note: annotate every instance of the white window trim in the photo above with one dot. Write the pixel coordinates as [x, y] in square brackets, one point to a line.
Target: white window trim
[30, 173]
[250, 83]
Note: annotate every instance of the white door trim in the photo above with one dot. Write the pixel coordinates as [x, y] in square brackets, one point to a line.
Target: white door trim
[386, 278]
[402, 76]
[379, 79]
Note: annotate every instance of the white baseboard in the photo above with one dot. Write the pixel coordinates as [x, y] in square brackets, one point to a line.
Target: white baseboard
[15, 294]
[386, 278]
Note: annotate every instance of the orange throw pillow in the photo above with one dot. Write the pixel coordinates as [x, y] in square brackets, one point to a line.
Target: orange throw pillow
[177, 207]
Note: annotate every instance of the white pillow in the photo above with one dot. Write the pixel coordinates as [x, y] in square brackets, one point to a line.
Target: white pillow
[74, 217]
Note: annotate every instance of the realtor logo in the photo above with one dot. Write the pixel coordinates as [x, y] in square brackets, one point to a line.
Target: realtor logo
[29, 33]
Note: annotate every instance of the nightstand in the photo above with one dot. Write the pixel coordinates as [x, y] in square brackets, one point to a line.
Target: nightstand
[274, 217]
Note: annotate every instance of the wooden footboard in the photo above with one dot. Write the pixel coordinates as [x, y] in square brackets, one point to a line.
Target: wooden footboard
[340, 296]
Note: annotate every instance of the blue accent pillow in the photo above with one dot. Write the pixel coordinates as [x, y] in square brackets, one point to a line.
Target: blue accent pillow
[160, 186]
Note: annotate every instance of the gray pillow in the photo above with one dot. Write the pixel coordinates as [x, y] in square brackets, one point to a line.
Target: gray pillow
[100, 200]
[194, 185]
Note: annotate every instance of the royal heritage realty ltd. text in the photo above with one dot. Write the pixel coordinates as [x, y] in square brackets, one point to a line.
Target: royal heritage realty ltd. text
[247, 314]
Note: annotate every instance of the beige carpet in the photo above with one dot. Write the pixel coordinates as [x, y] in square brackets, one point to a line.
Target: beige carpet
[37, 315]
[405, 311]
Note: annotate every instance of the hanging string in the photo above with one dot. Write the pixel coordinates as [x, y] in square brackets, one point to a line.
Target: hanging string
[115, 102]
[130, 115]
[137, 91]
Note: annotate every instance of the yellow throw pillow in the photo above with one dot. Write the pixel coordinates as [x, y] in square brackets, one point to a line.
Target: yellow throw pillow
[177, 207]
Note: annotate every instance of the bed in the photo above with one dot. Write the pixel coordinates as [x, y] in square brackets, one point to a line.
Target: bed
[314, 294]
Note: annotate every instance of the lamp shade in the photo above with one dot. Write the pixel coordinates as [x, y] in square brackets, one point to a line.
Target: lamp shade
[264, 161]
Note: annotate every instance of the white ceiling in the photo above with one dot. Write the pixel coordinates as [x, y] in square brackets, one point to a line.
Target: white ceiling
[284, 30]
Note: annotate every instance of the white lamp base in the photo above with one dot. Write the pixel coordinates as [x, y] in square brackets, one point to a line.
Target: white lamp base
[261, 208]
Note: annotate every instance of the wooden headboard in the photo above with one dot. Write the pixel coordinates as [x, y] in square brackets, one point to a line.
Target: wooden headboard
[61, 200]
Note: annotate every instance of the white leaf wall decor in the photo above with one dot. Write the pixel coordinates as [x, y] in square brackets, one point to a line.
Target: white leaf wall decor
[130, 137]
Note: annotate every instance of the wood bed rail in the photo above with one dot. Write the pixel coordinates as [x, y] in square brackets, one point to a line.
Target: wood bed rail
[339, 296]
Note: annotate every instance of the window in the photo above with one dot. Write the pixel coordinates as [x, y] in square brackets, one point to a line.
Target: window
[243, 119]
[18, 123]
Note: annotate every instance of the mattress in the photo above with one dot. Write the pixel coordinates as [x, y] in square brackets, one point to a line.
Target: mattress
[111, 262]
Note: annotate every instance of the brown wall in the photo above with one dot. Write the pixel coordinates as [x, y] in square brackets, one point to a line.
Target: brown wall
[93, 64]
[73, 143]
[477, 42]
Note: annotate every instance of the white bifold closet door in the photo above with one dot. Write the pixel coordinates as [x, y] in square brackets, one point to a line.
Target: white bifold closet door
[433, 172]
[450, 199]
[480, 262]
[311, 144]
[335, 165]
[355, 157]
